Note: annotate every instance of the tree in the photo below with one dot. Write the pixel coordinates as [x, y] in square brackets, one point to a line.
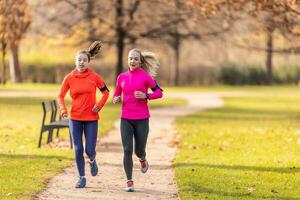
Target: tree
[17, 17]
[186, 24]
[180, 29]
[272, 15]
[3, 37]
[15, 20]
[276, 15]
[117, 22]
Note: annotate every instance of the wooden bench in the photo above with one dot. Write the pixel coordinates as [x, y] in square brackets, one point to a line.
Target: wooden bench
[50, 107]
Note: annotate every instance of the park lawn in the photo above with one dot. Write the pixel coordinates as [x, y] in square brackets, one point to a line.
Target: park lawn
[248, 149]
[24, 168]
[29, 87]
[239, 90]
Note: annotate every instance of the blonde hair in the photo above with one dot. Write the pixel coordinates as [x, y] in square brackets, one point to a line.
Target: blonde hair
[92, 51]
[149, 61]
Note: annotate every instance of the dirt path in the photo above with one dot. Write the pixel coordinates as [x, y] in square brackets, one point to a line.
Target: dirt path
[157, 183]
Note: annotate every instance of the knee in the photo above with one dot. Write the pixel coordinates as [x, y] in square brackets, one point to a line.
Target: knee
[128, 152]
[90, 152]
[78, 151]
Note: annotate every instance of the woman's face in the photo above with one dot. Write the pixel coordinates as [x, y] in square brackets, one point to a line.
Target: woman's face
[134, 60]
[82, 61]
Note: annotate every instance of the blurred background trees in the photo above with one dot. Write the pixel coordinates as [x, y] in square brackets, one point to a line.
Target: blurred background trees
[197, 41]
[14, 21]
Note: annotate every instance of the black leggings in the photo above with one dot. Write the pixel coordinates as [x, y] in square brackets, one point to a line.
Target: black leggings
[139, 130]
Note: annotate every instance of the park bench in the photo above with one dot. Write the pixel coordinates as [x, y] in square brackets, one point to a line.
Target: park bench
[50, 110]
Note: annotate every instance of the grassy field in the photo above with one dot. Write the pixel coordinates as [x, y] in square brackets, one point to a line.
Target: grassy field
[24, 168]
[248, 149]
[253, 90]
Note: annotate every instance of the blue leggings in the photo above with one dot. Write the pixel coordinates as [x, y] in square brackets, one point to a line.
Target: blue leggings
[90, 130]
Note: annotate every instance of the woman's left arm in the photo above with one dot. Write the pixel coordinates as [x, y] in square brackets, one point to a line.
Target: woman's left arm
[105, 94]
[157, 92]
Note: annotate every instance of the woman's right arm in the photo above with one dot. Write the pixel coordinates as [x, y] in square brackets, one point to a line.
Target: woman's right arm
[118, 91]
[61, 97]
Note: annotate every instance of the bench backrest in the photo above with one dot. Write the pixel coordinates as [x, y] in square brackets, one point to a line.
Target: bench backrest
[49, 106]
[54, 110]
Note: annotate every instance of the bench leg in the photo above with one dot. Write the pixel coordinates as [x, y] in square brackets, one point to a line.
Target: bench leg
[71, 141]
[40, 139]
[50, 133]
[57, 132]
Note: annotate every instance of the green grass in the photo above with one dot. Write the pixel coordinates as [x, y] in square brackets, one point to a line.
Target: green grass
[248, 149]
[273, 90]
[24, 169]
[29, 87]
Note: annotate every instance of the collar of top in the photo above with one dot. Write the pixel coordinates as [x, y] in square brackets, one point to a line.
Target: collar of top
[138, 69]
[83, 74]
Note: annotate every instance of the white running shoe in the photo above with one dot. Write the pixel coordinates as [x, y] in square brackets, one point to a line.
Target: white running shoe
[129, 187]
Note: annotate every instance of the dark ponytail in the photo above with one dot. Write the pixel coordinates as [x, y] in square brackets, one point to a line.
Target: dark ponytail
[92, 51]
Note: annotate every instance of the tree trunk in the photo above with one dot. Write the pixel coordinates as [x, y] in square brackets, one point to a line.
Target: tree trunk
[120, 33]
[170, 77]
[269, 55]
[89, 15]
[4, 49]
[120, 52]
[4, 68]
[14, 66]
[176, 47]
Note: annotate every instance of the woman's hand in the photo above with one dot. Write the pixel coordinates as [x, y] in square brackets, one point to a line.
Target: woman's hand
[64, 115]
[140, 95]
[116, 99]
[96, 108]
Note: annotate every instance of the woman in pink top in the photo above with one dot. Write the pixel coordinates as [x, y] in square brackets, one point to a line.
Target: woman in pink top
[133, 85]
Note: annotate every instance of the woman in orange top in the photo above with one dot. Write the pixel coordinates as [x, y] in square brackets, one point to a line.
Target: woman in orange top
[83, 83]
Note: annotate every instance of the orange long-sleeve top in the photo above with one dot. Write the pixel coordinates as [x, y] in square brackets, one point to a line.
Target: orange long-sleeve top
[82, 86]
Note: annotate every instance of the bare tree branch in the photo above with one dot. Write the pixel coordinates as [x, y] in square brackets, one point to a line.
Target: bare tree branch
[290, 50]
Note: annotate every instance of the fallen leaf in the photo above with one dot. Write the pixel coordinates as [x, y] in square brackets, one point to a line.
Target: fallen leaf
[289, 140]
[297, 132]
[251, 190]
[274, 191]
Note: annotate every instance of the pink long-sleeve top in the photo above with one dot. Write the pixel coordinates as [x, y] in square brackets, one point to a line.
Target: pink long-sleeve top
[131, 81]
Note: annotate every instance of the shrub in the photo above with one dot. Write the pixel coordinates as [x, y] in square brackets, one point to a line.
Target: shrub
[234, 74]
